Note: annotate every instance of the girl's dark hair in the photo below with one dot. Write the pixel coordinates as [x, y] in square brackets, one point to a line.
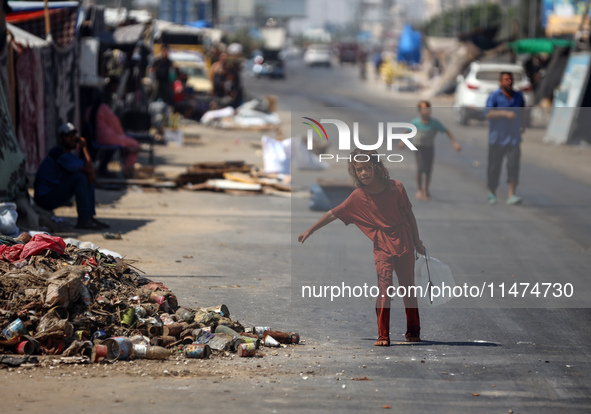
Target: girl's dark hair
[380, 171]
[427, 104]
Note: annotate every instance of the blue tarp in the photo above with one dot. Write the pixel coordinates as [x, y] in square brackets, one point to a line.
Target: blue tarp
[200, 24]
[409, 45]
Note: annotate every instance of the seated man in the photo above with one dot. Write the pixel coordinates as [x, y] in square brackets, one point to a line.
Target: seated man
[62, 175]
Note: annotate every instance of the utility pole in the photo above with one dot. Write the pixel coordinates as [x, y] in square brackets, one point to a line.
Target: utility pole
[533, 18]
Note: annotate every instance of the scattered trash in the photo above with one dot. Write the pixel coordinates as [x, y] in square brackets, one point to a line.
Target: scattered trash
[90, 307]
[112, 236]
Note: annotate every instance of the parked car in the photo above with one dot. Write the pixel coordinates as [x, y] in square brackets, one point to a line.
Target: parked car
[193, 65]
[269, 63]
[479, 80]
[318, 55]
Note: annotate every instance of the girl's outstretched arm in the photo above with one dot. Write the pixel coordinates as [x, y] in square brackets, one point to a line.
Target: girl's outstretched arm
[327, 218]
[415, 232]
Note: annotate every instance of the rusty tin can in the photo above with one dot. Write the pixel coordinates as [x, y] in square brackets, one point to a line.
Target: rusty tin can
[247, 349]
[197, 351]
[173, 329]
[155, 298]
[99, 352]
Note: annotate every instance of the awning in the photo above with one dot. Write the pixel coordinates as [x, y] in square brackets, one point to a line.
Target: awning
[535, 46]
[25, 38]
[20, 6]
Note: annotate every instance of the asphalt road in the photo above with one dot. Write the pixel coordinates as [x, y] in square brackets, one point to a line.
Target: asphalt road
[523, 352]
[485, 355]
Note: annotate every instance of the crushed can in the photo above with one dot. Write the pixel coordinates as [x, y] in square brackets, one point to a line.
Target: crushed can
[220, 309]
[247, 349]
[185, 315]
[220, 342]
[155, 298]
[200, 351]
[100, 334]
[16, 328]
[128, 317]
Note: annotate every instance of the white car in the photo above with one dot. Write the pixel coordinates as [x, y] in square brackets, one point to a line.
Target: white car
[318, 55]
[477, 83]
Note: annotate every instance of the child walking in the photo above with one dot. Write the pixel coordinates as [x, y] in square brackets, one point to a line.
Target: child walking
[380, 208]
[427, 129]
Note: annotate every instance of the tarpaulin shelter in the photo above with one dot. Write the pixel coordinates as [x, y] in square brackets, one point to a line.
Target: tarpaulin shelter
[409, 45]
[43, 75]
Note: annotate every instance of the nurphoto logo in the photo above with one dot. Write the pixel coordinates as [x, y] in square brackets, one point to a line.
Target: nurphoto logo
[389, 131]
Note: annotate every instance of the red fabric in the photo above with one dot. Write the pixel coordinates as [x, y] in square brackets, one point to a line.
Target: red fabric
[36, 245]
[11, 253]
[110, 132]
[404, 266]
[382, 218]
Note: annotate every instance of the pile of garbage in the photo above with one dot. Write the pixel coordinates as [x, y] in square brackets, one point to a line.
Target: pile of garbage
[87, 306]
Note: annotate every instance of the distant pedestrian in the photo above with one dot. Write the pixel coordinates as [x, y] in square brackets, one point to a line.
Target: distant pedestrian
[427, 130]
[504, 114]
[380, 208]
[164, 73]
[377, 62]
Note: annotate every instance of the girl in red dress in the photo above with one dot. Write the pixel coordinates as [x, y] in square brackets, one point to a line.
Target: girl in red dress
[380, 208]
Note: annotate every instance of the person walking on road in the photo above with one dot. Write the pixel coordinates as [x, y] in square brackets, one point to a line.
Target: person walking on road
[380, 208]
[504, 113]
[427, 129]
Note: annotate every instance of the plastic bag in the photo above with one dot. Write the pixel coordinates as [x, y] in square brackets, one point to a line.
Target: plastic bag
[8, 216]
[435, 280]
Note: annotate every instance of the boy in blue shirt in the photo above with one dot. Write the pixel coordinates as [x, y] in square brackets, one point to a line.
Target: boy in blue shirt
[62, 175]
[427, 129]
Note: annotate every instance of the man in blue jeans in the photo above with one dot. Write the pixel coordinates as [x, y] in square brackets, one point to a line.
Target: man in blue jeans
[504, 112]
[62, 174]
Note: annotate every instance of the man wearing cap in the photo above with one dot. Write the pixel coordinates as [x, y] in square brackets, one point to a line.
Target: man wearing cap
[62, 175]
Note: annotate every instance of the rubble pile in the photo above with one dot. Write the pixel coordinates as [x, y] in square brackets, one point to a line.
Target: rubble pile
[58, 299]
[234, 177]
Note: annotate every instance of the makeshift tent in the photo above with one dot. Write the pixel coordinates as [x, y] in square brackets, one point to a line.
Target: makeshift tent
[30, 16]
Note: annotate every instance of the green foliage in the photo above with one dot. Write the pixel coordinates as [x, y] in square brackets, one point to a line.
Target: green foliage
[467, 19]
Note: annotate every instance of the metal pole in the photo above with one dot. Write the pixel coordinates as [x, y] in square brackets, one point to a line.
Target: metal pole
[532, 18]
[455, 17]
[47, 22]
